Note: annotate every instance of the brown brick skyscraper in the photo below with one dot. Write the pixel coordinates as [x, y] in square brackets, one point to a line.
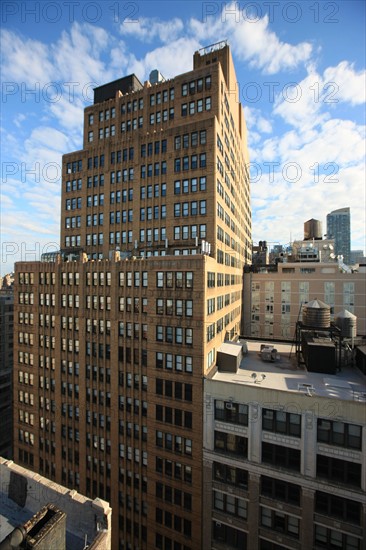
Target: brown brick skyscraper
[115, 334]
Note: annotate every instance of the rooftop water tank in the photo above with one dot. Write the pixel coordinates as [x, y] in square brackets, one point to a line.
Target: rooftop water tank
[313, 230]
[316, 314]
[347, 322]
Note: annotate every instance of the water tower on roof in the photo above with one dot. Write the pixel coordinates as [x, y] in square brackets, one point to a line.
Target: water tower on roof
[313, 230]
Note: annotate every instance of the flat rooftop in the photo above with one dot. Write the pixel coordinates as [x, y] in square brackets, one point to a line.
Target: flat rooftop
[12, 515]
[284, 374]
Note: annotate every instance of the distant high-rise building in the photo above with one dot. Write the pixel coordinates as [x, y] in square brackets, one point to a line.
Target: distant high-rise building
[339, 229]
[123, 325]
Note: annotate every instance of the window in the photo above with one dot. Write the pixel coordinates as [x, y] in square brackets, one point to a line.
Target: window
[338, 507]
[231, 443]
[329, 538]
[339, 433]
[228, 411]
[230, 504]
[282, 457]
[277, 521]
[341, 471]
[228, 536]
[281, 422]
[229, 474]
[280, 490]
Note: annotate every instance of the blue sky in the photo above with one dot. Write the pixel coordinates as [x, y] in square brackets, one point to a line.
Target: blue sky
[301, 78]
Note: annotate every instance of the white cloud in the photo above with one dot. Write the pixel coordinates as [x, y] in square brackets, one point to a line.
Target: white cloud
[349, 85]
[328, 166]
[311, 101]
[170, 60]
[252, 41]
[147, 30]
[255, 121]
[24, 61]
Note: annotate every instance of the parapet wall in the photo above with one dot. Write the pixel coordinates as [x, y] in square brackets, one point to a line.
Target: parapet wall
[85, 517]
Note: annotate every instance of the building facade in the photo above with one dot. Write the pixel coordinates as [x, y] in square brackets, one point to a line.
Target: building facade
[275, 295]
[123, 324]
[6, 372]
[284, 456]
[339, 229]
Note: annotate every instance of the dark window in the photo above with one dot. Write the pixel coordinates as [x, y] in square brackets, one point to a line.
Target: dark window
[281, 422]
[280, 522]
[232, 538]
[338, 470]
[231, 443]
[339, 433]
[280, 490]
[282, 457]
[228, 474]
[329, 538]
[337, 507]
[228, 411]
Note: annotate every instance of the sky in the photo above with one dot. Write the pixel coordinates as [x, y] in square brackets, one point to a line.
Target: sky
[300, 76]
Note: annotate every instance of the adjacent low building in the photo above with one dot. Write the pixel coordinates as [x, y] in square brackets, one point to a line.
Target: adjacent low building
[274, 296]
[38, 513]
[284, 452]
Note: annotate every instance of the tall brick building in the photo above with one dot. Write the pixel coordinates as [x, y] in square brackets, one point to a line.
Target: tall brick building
[115, 334]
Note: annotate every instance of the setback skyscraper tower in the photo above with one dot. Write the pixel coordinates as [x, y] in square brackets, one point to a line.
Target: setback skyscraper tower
[120, 328]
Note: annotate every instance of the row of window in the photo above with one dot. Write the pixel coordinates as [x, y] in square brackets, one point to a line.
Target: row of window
[26, 358]
[26, 338]
[120, 196]
[178, 417]
[284, 457]
[176, 390]
[185, 232]
[190, 162]
[197, 106]
[73, 204]
[190, 140]
[179, 308]
[25, 417]
[171, 361]
[156, 213]
[73, 185]
[150, 170]
[149, 191]
[328, 431]
[128, 304]
[72, 222]
[173, 469]
[75, 166]
[132, 330]
[122, 155]
[196, 85]
[172, 442]
[26, 378]
[153, 148]
[95, 162]
[178, 335]
[192, 208]
[191, 185]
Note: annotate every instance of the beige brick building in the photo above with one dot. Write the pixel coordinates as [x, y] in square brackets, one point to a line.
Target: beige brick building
[274, 296]
[284, 454]
[115, 334]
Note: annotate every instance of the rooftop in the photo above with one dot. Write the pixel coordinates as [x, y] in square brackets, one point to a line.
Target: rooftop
[284, 374]
[23, 493]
